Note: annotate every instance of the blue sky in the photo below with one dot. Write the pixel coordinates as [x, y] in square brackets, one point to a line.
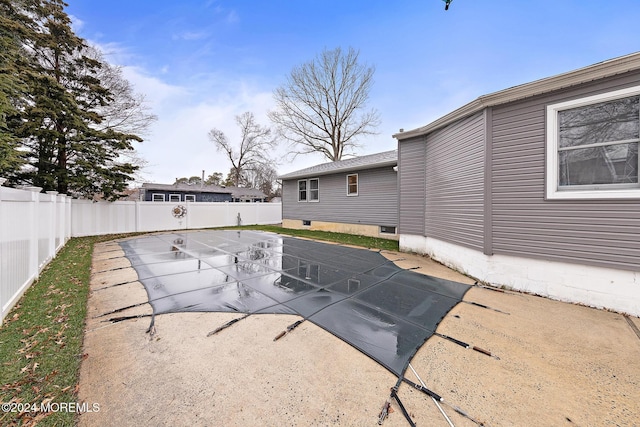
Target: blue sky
[202, 62]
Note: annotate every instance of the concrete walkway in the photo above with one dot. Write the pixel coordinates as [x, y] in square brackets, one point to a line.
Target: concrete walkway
[559, 364]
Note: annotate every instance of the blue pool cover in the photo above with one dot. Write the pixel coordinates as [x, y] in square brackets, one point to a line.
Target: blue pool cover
[356, 294]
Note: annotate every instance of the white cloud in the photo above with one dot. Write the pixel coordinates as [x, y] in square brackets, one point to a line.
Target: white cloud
[156, 91]
[114, 53]
[232, 17]
[178, 143]
[76, 24]
[191, 35]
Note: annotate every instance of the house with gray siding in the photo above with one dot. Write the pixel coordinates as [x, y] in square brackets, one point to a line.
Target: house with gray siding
[152, 192]
[357, 196]
[534, 187]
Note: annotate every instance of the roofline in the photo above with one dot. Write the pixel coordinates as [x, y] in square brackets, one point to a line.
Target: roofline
[151, 186]
[596, 71]
[295, 175]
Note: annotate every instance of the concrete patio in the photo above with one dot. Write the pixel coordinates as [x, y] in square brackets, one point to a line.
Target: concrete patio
[559, 363]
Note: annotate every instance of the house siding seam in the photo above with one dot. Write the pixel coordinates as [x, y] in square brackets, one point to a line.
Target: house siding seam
[595, 232]
[488, 171]
[375, 204]
[411, 186]
[455, 183]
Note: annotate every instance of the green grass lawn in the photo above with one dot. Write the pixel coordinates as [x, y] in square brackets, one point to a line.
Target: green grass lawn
[348, 239]
[41, 338]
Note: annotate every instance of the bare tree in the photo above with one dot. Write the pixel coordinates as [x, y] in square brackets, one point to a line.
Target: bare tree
[263, 177]
[321, 107]
[126, 111]
[256, 142]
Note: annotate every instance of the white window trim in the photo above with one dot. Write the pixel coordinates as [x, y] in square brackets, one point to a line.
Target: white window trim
[171, 196]
[153, 196]
[551, 173]
[309, 190]
[189, 197]
[306, 191]
[357, 185]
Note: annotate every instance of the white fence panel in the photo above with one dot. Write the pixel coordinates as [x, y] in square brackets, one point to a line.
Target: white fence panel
[31, 231]
[97, 218]
[91, 219]
[158, 216]
[203, 215]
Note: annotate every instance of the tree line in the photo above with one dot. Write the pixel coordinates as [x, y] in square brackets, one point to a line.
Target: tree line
[68, 119]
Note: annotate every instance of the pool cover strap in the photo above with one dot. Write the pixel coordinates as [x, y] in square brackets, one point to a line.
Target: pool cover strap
[394, 395]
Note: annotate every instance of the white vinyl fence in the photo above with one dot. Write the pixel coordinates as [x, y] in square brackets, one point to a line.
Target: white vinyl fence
[34, 226]
[91, 219]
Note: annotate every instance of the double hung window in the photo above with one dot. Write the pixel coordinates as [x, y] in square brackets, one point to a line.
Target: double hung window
[352, 184]
[302, 190]
[592, 149]
[309, 190]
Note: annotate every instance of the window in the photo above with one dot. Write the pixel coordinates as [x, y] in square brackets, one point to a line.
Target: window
[306, 222]
[352, 185]
[155, 197]
[302, 190]
[174, 197]
[314, 190]
[309, 190]
[387, 230]
[592, 147]
[189, 197]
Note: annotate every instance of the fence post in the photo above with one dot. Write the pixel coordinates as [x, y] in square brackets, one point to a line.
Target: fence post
[52, 224]
[257, 205]
[35, 232]
[187, 218]
[62, 220]
[2, 255]
[137, 216]
[67, 216]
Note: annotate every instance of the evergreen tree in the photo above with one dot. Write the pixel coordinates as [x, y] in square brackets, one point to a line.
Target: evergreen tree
[60, 126]
[12, 88]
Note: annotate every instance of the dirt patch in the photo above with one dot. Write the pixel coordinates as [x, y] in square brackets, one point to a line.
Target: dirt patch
[559, 364]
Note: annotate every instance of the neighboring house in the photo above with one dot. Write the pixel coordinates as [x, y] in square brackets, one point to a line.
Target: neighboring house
[357, 196]
[152, 192]
[534, 187]
[239, 194]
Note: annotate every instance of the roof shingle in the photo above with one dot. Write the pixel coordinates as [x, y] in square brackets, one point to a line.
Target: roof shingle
[386, 158]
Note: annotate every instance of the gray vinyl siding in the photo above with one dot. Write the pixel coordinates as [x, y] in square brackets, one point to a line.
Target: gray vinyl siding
[454, 208]
[411, 186]
[595, 232]
[375, 204]
[200, 197]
